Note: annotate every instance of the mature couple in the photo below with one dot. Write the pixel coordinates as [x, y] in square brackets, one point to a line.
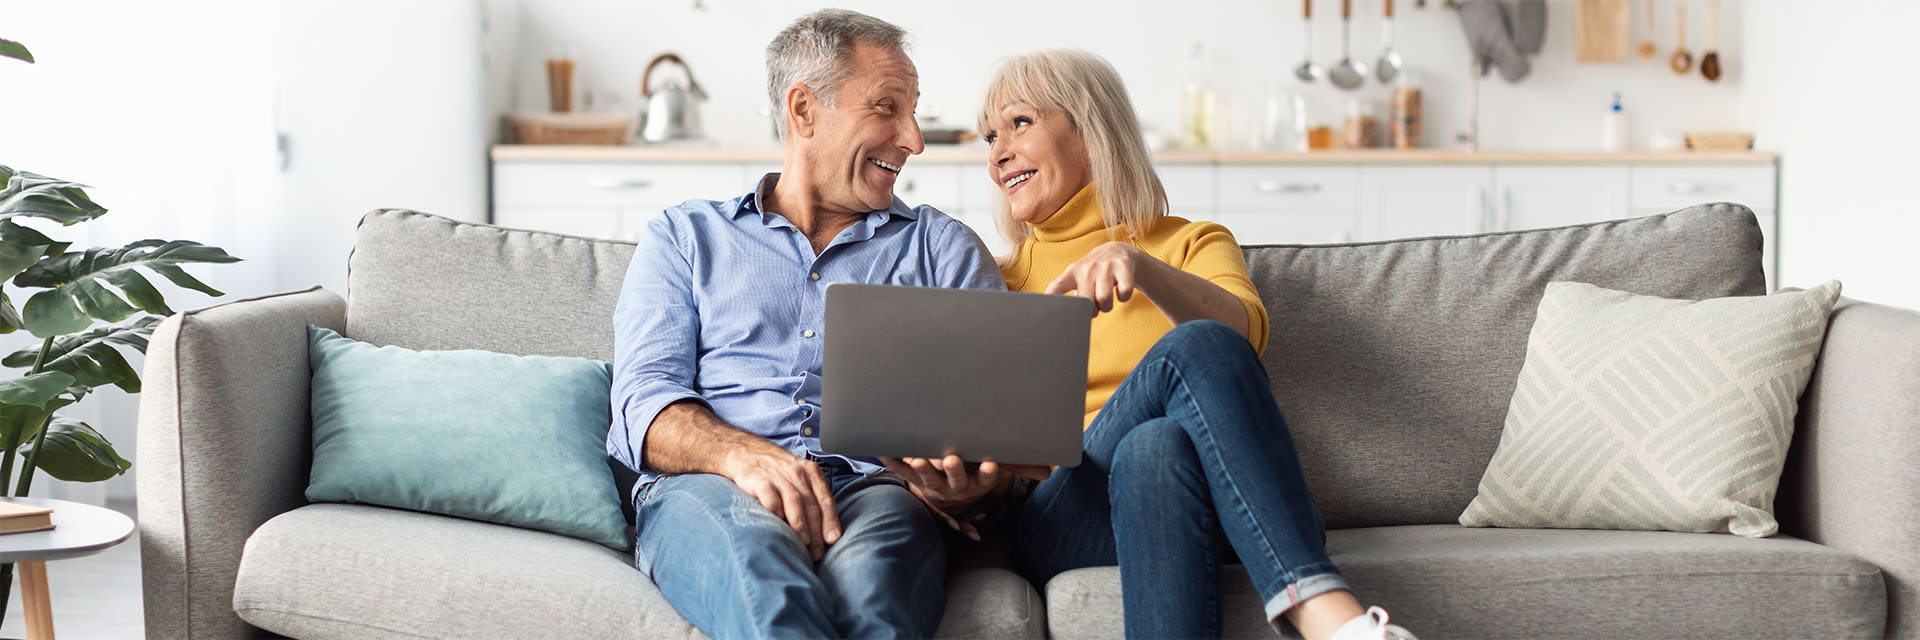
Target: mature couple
[750, 530]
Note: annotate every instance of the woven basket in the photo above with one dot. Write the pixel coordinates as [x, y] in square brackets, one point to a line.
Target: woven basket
[1729, 141]
[570, 128]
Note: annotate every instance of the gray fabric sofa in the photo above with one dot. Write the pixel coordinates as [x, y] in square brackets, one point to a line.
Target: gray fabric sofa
[1393, 362]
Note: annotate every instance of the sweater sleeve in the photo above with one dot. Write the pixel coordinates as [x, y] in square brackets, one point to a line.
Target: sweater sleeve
[1214, 254]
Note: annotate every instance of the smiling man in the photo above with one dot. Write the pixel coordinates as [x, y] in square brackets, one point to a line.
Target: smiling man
[746, 526]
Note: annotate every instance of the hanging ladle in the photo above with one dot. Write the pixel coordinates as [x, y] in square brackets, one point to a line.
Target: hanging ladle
[1307, 71]
[1389, 65]
[1681, 62]
[1347, 74]
[1710, 61]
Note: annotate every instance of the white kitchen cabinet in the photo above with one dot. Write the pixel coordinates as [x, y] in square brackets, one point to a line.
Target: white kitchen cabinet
[1285, 201]
[1189, 188]
[614, 185]
[1669, 187]
[1538, 197]
[1416, 201]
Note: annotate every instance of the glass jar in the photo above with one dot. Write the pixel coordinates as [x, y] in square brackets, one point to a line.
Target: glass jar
[1408, 117]
[1360, 129]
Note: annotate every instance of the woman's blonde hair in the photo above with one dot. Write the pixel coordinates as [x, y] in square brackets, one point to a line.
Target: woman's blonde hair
[1087, 89]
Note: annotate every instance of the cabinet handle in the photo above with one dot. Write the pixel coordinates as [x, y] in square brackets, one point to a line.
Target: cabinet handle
[619, 184]
[1270, 186]
[1684, 187]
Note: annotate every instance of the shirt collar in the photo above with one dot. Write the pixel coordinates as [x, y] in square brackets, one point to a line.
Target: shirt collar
[764, 189]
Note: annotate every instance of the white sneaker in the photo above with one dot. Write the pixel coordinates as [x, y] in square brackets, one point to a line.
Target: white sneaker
[1372, 625]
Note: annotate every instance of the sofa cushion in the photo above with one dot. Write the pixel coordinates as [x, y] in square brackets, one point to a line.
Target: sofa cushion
[1394, 361]
[425, 282]
[1636, 412]
[1447, 581]
[515, 440]
[354, 571]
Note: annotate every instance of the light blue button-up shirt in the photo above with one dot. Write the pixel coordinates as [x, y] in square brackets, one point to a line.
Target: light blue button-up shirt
[725, 303]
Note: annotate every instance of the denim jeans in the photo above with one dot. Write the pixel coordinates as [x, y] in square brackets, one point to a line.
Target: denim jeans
[736, 570]
[1187, 465]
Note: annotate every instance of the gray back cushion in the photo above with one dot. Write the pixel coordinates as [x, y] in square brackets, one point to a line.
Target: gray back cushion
[425, 282]
[1393, 362]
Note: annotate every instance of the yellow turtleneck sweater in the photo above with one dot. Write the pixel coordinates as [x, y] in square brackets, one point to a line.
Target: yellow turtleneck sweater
[1120, 338]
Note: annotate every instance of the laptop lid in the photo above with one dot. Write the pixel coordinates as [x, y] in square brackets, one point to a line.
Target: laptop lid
[925, 372]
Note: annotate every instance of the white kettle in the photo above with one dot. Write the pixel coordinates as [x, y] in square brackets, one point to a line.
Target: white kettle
[671, 112]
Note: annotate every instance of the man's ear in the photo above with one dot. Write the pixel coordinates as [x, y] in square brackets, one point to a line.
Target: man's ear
[802, 110]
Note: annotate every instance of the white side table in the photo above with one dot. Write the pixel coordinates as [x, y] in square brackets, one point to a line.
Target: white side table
[78, 530]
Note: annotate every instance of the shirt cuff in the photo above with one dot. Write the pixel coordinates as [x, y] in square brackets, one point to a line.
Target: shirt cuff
[638, 418]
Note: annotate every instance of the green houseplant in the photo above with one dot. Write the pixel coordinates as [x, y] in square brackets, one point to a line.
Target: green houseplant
[84, 307]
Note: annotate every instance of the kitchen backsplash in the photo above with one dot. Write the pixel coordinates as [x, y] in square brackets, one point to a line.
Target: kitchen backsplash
[1251, 48]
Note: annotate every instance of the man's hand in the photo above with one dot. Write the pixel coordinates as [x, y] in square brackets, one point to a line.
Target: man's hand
[949, 488]
[791, 487]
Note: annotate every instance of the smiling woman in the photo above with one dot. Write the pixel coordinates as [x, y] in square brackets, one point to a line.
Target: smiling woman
[1179, 413]
[1040, 90]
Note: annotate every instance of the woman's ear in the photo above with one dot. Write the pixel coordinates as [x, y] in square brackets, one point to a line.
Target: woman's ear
[802, 110]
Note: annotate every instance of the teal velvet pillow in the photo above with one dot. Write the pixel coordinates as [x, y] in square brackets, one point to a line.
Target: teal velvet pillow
[514, 440]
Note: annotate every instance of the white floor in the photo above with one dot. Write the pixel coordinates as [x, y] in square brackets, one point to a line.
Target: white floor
[97, 596]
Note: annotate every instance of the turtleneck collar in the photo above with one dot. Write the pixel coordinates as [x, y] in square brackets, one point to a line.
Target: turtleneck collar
[1077, 218]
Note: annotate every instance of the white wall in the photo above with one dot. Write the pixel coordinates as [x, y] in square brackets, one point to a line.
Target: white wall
[1255, 43]
[1833, 95]
[162, 108]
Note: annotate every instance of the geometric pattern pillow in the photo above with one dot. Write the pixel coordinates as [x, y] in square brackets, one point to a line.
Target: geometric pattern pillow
[1637, 412]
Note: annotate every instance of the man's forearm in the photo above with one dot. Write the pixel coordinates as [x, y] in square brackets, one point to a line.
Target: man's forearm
[686, 437]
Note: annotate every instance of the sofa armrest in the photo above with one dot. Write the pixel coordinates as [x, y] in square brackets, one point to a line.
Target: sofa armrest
[1852, 480]
[224, 443]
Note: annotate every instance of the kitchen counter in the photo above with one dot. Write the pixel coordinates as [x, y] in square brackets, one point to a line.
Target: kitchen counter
[972, 153]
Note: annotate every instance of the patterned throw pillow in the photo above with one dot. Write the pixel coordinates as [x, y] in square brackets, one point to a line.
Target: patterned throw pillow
[1636, 412]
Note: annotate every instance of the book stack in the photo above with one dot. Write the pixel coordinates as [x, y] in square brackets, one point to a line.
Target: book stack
[21, 518]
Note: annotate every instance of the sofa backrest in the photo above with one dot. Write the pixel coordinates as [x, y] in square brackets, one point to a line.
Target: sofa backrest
[421, 281]
[1392, 361]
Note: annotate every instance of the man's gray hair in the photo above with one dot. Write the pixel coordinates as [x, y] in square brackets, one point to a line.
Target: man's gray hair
[817, 51]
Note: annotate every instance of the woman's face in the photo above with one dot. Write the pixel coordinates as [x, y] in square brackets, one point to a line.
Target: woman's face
[1037, 158]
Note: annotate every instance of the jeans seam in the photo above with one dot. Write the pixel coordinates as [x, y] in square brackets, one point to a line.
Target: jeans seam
[1213, 452]
[746, 585]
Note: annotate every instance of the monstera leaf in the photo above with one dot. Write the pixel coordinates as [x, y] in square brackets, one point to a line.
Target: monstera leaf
[34, 195]
[74, 452]
[15, 50]
[78, 281]
[90, 356]
[19, 422]
[34, 390]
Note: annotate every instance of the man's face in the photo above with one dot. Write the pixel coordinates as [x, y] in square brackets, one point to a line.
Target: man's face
[858, 146]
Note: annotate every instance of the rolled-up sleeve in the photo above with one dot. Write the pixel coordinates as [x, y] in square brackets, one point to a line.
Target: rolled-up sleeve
[655, 339]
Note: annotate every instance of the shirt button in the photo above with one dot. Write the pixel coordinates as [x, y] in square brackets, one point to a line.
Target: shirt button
[813, 276]
[807, 333]
[806, 431]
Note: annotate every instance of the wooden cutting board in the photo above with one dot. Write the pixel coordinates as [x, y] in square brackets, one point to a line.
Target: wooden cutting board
[1602, 30]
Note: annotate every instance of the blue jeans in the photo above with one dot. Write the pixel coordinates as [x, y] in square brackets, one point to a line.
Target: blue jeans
[736, 570]
[1188, 464]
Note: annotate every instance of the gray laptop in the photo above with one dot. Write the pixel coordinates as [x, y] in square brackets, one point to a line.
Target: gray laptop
[922, 372]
